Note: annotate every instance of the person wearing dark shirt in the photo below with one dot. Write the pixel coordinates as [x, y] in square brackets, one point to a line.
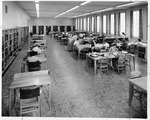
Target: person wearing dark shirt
[124, 45]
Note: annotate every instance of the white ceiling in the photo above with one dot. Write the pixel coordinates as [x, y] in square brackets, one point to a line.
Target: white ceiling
[54, 8]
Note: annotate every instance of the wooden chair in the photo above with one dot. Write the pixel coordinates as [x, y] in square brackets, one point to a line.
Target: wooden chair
[138, 93]
[120, 64]
[141, 52]
[30, 100]
[103, 65]
[132, 49]
[32, 53]
[34, 66]
[84, 51]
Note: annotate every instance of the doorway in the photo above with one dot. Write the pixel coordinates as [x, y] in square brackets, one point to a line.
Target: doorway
[41, 30]
[48, 29]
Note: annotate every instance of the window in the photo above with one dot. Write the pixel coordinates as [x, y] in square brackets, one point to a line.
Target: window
[88, 25]
[104, 24]
[98, 23]
[81, 24]
[112, 25]
[92, 24]
[135, 24]
[76, 25]
[84, 24]
[122, 23]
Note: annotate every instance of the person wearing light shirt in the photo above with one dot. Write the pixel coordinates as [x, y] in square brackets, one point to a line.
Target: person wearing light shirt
[37, 49]
[113, 48]
[105, 45]
[33, 59]
[76, 42]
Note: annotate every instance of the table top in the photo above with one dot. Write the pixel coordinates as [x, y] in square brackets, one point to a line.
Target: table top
[30, 78]
[38, 35]
[108, 55]
[99, 55]
[140, 82]
[80, 47]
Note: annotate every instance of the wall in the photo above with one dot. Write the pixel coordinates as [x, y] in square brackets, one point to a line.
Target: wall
[50, 22]
[16, 17]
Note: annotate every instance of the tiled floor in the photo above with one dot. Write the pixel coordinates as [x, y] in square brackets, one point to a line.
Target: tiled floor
[76, 90]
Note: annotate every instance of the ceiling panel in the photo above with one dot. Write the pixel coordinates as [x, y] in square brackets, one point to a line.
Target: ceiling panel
[54, 8]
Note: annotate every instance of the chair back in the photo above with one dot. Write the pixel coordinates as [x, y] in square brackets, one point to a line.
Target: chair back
[29, 93]
[34, 66]
[33, 53]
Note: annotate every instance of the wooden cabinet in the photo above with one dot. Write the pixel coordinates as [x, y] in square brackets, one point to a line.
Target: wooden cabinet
[12, 40]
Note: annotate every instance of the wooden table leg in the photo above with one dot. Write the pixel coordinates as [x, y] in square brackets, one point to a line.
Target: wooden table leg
[86, 61]
[49, 86]
[14, 96]
[9, 102]
[134, 62]
[78, 54]
[95, 66]
[130, 93]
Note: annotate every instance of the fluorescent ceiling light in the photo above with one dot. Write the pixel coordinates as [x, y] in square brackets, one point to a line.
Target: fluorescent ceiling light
[85, 2]
[38, 14]
[36, 1]
[130, 4]
[67, 11]
[37, 7]
[73, 17]
[72, 9]
[83, 14]
[102, 10]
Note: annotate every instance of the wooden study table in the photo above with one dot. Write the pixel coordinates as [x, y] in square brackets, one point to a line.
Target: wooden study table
[42, 58]
[38, 78]
[80, 47]
[106, 55]
[140, 83]
[98, 57]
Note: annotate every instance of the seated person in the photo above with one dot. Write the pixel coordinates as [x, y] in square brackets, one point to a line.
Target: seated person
[36, 44]
[139, 42]
[113, 48]
[123, 45]
[33, 63]
[123, 35]
[37, 49]
[32, 53]
[33, 59]
[105, 45]
[77, 41]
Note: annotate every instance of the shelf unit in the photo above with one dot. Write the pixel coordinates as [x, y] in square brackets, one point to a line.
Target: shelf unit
[12, 41]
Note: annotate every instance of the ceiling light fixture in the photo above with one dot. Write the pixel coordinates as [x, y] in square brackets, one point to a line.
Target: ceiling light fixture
[72, 9]
[67, 11]
[36, 1]
[85, 2]
[103, 10]
[83, 14]
[130, 4]
[37, 9]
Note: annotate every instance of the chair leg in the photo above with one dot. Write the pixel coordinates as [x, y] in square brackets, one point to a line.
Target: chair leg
[40, 105]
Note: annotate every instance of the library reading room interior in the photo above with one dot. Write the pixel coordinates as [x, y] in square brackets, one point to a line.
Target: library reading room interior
[75, 59]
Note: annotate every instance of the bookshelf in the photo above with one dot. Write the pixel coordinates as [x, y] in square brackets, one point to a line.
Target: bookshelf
[12, 41]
